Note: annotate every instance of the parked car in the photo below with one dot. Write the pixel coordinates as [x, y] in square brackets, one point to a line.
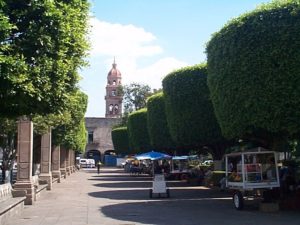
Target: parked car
[91, 163]
[87, 163]
[83, 163]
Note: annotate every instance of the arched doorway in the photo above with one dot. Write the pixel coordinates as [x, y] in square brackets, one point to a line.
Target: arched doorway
[110, 158]
[94, 154]
[110, 152]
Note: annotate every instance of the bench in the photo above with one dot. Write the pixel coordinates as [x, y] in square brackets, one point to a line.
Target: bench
[38, 186]
[10, 205]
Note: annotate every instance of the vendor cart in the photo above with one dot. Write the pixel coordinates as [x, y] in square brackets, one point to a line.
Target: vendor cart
[159, 186]
[251, 174]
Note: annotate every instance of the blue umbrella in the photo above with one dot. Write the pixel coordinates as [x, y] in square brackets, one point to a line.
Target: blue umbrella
[152, 156]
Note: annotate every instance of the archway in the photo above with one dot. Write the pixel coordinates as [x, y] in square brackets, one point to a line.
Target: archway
[110, 152]
[110, 158]
[94, 154]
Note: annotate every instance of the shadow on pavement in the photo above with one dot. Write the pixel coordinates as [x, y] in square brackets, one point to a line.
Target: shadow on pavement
[102, 170]
[193, 212]
[188, 205]
[119, 178]
[189, 212]
[126, 184]
[143, 194]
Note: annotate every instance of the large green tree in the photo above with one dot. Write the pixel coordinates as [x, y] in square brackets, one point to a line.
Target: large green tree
[135, 96]
[42, 46]
[158, 130]
[138, 131]
[254, 67]
[189, 110]
[71, 133]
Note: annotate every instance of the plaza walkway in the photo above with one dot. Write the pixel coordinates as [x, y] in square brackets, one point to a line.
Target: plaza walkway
[115, 198]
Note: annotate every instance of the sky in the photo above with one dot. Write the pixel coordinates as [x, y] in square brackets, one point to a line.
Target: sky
[149, 39]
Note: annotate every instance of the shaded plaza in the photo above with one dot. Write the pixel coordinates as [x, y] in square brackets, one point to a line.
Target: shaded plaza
[116, 198]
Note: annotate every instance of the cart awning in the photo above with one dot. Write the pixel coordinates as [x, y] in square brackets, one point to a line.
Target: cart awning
[153, 156]
[183, 157]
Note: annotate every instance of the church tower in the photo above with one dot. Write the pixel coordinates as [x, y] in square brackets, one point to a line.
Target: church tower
[113, 96]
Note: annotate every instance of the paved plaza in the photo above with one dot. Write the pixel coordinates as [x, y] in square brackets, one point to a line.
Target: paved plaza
[116, 198]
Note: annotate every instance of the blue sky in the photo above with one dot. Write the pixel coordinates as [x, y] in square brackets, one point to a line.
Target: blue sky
[149, 39]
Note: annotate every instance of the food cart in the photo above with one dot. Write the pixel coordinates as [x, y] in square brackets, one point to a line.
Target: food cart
[159, 183]
[251, 173]
[180, 166]
[159, 186]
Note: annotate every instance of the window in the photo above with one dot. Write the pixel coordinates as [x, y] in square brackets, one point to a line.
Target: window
[114, 82]
[111, 109]
[116, 108]
[113, 93]
[90, 137]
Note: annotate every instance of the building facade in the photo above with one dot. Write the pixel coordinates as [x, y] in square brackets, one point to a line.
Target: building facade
[99, 128]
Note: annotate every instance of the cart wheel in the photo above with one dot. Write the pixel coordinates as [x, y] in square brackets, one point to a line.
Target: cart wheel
[238, 200]
[150, 193]
[168, 193]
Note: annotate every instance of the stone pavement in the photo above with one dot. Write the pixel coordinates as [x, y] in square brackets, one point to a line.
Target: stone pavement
[115, 198]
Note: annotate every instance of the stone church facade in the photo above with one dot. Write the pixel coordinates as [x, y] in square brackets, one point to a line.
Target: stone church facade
[99, 128]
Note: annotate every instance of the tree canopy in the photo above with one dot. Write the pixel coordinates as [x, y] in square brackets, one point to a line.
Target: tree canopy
[135, 96]
[42, 46]
[72, 133]
[253, 67]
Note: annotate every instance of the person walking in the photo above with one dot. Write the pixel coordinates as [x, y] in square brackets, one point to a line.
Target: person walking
[98, 166]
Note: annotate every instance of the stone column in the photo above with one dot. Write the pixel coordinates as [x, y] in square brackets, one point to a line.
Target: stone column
[72, 161]
[46, 175]
[63, 163]
[25, 145]
[68, 162]
[56, 163]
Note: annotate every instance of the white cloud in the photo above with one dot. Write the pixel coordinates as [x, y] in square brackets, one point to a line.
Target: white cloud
[154, 73]
[129, 44]
[117, 39]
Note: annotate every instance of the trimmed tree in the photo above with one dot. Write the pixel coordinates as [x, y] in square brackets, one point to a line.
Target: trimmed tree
[138, 131]
[158, 130]
[189, 110]
[254, 67]
[120, 140]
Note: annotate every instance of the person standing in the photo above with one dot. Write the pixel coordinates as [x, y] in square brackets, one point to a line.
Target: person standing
[98, 166]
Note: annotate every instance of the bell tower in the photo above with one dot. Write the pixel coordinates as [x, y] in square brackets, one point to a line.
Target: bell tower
[113, 96]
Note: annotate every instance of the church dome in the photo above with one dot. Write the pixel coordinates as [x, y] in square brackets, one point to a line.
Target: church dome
[114, 71]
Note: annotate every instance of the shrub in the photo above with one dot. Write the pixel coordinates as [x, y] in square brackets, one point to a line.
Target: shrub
[190, 115]
[138, 131]
[120, 140]
[157, 123]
